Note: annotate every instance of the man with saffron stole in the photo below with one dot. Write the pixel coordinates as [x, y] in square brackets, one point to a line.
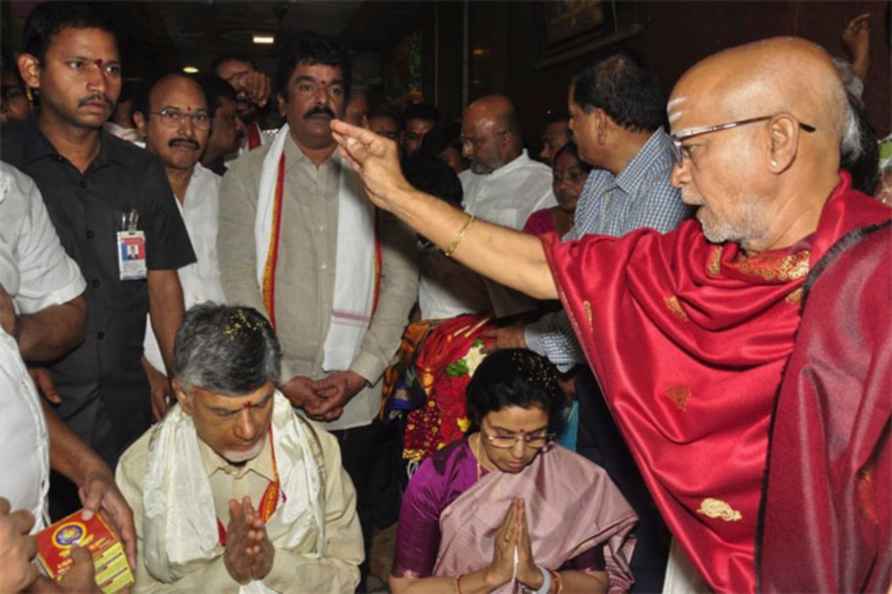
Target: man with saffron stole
[689, 332]
[507, 507]
[299, 242]
[234, 492]
[830, 435]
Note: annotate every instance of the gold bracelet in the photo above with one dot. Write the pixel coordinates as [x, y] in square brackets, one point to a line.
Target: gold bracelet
[450, 249]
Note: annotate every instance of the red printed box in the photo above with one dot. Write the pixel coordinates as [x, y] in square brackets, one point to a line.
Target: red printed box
[54, 550]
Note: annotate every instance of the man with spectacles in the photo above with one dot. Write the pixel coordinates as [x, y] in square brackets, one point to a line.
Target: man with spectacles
[115, 215]
[174, 118]
[688, 332]
[503, 185]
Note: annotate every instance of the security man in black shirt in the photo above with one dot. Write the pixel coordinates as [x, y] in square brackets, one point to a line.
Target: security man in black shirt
[116, 217]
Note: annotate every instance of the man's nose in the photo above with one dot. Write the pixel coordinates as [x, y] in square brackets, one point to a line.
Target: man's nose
[246, 429]
[680, 173]
[323, 95]
[97, 80]
[186, 125]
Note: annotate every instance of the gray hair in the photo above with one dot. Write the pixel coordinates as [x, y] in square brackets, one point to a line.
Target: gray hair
[851, 145]
[228, 350]
[848, 97]
[850, 80]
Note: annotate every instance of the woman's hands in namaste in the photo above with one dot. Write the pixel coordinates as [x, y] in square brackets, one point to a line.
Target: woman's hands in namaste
[514, 534]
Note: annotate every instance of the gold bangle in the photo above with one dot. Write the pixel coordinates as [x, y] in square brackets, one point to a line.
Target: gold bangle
[450, 249]
[458, 584]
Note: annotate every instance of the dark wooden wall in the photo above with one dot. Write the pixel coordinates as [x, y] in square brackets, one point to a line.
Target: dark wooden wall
[675, 35]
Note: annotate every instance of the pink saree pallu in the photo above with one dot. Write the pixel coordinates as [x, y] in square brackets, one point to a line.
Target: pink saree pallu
[571, 507]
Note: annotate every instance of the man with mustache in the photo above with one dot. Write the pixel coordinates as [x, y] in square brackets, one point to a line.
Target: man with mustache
[115, 215]
[174, 118]
[299, 242]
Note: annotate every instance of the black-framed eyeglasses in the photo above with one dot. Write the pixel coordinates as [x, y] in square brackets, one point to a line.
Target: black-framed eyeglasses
[504, 441]
[680, 152]
[174, 117]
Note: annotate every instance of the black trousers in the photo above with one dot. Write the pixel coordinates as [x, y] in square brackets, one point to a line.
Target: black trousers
[600, 441]
[370, 455]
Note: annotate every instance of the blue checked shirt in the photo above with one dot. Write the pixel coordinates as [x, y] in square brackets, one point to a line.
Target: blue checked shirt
[640, 196]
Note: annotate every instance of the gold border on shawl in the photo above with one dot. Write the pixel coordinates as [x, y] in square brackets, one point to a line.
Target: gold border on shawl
[791, 267]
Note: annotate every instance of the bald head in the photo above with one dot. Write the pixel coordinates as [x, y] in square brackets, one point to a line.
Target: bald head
[495, 108]
[778, 75]
[174, 81]
[491, 132]
[763, 177]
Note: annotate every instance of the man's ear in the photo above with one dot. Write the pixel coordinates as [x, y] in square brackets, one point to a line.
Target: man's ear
[29, 69]
[601, 123]
[783, 142]
[185, 399]
[140, 121]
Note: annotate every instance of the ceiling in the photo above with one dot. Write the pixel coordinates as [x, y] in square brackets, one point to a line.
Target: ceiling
[161, 36]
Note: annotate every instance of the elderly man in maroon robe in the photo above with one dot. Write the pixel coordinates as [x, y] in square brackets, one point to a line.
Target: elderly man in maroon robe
[688, 332]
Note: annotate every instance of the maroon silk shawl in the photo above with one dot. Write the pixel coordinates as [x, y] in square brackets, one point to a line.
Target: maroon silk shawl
[689, 340]
[827, 523]
[571, 505]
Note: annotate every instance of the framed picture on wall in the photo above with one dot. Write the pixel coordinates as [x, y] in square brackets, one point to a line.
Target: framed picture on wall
[565, 29]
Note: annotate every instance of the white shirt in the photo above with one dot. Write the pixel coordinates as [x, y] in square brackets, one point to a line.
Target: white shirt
[508, 196]
[34, 268]
[447, 289]
[36, 273]
[25, 455]
[201, 279]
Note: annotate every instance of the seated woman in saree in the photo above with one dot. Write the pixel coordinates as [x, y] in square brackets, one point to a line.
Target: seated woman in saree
[506, 509]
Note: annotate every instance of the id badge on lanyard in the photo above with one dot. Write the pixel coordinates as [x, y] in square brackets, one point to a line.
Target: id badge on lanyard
[131, 245]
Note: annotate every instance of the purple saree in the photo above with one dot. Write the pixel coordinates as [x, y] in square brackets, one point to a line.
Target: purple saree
[577, 517]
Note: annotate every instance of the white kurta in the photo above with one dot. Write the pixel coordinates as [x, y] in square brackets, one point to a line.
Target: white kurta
[201, 279]
[508, 196]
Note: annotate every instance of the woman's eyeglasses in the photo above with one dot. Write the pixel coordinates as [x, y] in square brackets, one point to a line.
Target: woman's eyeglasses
[504, 441]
